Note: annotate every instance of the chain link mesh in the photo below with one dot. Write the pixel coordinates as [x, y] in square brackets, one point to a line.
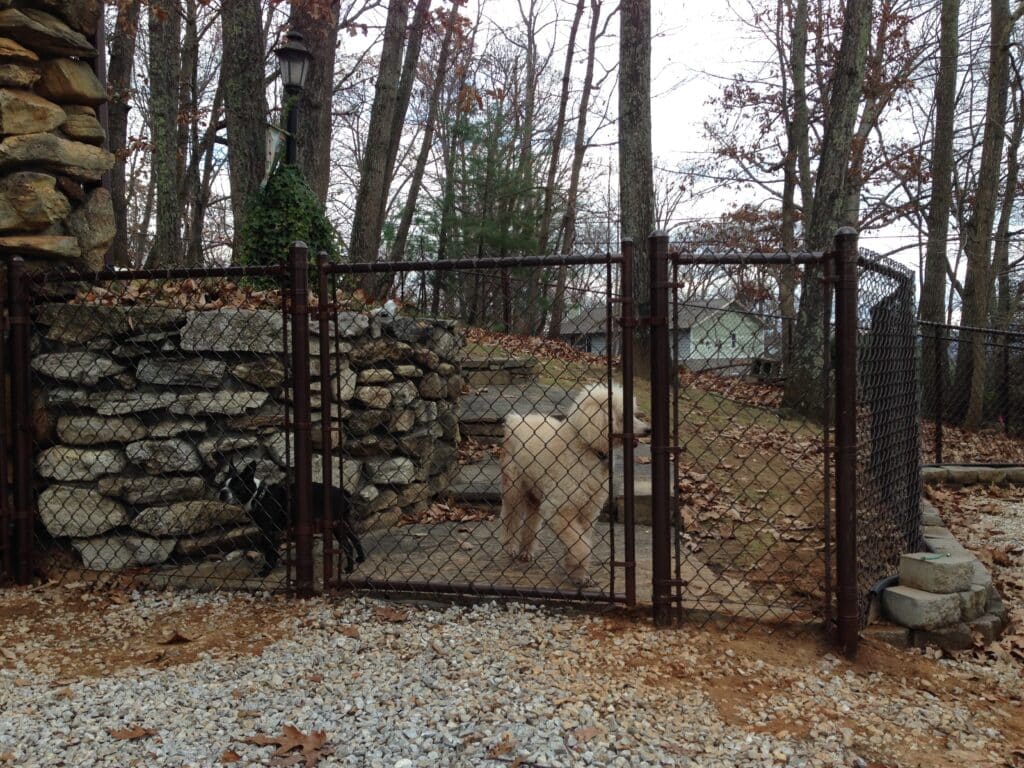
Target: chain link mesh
[888, 423]
[967, 421]
[149, 395]
[750, 540]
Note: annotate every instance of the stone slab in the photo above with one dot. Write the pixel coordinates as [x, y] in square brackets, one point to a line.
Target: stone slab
[936, 572]
[916, 609]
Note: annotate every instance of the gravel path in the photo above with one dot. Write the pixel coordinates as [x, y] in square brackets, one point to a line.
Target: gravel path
[192, 677]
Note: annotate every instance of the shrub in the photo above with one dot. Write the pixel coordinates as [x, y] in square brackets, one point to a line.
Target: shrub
[285, 210]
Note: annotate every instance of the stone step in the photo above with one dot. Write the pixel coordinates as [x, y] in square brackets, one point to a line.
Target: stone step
[500, 371]
[480, 483]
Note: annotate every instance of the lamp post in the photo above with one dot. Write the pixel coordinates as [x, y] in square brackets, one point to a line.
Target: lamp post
[293, 58]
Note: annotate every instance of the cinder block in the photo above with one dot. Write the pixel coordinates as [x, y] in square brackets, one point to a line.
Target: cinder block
[972, 602]
[980, 575]
[934, 475]
[916, 609]
[956, 637]
[938, 573]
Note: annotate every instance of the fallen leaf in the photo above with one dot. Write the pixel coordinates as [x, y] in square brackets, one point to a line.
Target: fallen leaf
[587, 733]
[132, 733]
[349, 631]
[174, 636]
[385, 613]
[310, 746]
[230, 756]
[505, 745]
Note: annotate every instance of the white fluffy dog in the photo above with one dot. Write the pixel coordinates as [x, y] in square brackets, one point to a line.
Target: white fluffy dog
[556, 472]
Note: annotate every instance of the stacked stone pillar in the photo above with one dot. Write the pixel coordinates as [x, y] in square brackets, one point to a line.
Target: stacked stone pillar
[54, 210]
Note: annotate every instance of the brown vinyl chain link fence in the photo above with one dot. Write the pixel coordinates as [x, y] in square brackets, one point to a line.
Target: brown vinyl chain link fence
[948, 435]
[261, 428]
[888, 422]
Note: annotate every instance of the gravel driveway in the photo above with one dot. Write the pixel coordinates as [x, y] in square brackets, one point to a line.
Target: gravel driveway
[114, 679]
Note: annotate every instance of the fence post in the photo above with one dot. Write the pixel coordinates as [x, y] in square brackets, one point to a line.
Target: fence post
[21, 407]
[298, 269]
[848, 624]
[661, 524]
[628, 320]
[324, 301]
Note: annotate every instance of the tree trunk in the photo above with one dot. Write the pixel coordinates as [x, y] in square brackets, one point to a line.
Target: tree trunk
[933, 290]
[164, 70]
[420, 20]
[440, 78]
[245, 102]
[367, 219]
[317, 22]
[970, 361]
[803, 391]
[579, 150]
[119, 79]
[794, 173]
[636, 176]
[1004, 306]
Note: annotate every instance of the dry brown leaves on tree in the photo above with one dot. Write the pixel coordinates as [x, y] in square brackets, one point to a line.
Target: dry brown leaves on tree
[309, 748]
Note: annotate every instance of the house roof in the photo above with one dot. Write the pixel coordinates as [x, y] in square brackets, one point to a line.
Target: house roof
[594, 319]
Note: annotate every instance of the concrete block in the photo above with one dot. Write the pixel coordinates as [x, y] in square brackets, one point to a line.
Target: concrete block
[936, 532]
[916, 609]
[980, 575]
[1015, 475]
[930, 515]
[959, 475]
[938, 573]
[988, 626]
[995, 606]
[934, 475]
[972, 602]
[945, 546]
[955, 637]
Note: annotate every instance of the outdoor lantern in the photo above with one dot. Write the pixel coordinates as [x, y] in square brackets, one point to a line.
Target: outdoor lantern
[293, 57]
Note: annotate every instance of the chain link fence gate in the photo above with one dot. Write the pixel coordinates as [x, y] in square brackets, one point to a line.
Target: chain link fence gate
[505, 474]
[766, 509]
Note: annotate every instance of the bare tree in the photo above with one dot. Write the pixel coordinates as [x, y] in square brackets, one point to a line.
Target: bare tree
[164, 70]
[245, 102]
[803, 384]
[119, 80]
[636, 174]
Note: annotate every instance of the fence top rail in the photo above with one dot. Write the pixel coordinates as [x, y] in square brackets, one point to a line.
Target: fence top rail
[510, 262]
[171, 273]
[728, 258]
[972, 329]
[883, 266]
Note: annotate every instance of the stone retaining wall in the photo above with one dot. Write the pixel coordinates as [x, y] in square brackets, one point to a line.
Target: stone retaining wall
[140, 412]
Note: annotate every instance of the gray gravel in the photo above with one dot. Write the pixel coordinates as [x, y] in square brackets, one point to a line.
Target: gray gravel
[483, 686]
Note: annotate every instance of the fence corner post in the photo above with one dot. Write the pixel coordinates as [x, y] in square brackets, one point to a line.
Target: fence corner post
[298, 275]
[661, 521]
[848, 619]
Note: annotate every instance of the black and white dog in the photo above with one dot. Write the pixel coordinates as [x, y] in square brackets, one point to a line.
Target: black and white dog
[267, 505]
